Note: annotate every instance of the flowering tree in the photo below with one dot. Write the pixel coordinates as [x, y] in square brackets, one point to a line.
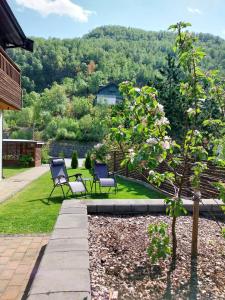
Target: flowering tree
[141, 131]
[140, 128]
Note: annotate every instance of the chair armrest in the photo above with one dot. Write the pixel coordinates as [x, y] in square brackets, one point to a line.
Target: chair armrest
[58, 179]
[75, 175]
[112, 174]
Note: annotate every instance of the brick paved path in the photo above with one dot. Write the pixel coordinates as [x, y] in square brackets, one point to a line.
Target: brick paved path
[19, 257]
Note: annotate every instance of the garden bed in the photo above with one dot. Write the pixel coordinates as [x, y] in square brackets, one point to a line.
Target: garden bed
[120, 268]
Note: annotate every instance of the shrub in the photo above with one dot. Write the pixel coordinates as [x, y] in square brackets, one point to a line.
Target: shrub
[74, 162]
[26, 160]
[88, 161]
[45, 154]
[159, 246]
[61, 154]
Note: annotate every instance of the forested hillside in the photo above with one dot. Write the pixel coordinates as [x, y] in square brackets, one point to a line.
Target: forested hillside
[61, 77]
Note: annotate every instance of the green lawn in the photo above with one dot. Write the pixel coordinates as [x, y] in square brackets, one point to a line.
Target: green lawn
[30, 212]
[11, 171]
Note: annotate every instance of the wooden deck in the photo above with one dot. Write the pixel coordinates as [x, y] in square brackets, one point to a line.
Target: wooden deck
[10, 83]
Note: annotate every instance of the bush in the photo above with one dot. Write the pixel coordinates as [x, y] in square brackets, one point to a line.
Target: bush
[45, 154]
[26, 160]
[159, 242]
[74, 162]
[88, 161]
[61, 154]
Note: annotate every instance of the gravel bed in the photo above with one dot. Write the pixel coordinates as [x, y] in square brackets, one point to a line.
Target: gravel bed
[121, 269]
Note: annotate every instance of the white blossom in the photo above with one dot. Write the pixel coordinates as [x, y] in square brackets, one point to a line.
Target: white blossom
[131, 154]
[166, 145]
[196, 132]
[151, 173]
[162, 121]
[190, 110]
[98, 146]
[152, 141]
[159, 108]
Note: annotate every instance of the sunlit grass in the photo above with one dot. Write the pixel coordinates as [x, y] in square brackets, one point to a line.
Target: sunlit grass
[29, 211]
[11, 171]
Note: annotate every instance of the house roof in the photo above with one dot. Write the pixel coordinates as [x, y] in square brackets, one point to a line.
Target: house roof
[11, 34]
[109, 89]
[110, 85]
[22, 141]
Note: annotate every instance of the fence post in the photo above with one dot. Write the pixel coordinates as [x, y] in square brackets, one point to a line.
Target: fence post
[127, 171]
[114, 161]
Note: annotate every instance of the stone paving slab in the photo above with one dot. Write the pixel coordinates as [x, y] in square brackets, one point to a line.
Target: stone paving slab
[61, 296]
[66, 245]
[71, 221]
[64, 269]
[69, 233]
[72, 203]
[14, 184]
[55, 281]
[65, 260]
[73, 210]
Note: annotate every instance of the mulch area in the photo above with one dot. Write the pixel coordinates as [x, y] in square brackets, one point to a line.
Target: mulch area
[121, 269]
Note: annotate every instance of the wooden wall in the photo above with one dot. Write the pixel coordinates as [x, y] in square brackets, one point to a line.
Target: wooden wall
[13, 150]
[212, 174]
[10, 83]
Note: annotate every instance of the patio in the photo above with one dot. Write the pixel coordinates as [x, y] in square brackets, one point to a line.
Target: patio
[18, 257]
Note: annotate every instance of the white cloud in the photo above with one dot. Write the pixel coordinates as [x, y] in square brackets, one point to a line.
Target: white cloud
[58, 7]
[194, 10]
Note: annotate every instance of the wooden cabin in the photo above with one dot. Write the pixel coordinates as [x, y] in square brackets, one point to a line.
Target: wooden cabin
[13, 150]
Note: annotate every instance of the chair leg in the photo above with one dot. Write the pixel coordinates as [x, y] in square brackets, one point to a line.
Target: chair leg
[63, 191]
[51, 193]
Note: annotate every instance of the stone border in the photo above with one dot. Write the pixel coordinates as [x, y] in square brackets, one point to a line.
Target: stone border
[139, 206]
[64, 270]
[149, 186]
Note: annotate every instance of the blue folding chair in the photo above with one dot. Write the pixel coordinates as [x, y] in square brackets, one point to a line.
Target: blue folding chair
[61, 179]
[103, 177]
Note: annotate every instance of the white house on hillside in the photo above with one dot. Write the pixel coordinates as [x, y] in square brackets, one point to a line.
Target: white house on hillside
[109, 94]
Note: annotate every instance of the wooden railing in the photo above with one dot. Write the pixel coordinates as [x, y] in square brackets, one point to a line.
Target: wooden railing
[211, 175]
[10, 83]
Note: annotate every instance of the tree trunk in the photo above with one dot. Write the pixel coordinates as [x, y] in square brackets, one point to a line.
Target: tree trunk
[174, 238]
[194, 245]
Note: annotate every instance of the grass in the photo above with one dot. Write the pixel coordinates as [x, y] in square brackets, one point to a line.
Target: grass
[11, 171]
[30, 212]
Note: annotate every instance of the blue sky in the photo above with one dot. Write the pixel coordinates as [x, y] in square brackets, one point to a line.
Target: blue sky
[73, 18]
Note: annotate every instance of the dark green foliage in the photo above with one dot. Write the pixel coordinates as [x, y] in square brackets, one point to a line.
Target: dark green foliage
[61, 154]
[88, 164]
[61, 78]
[45, 154]
[25, 160]
[74, 162]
